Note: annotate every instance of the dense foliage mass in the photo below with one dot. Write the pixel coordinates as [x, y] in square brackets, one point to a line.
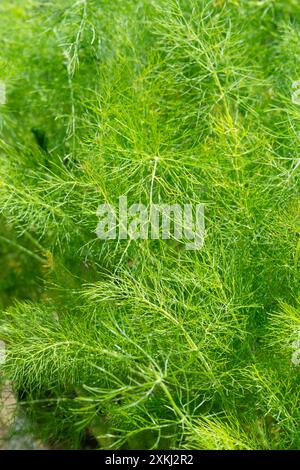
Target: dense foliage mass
[141, 343]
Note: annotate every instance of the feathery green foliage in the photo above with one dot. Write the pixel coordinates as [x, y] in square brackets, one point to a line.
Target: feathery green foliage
[141, 343]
